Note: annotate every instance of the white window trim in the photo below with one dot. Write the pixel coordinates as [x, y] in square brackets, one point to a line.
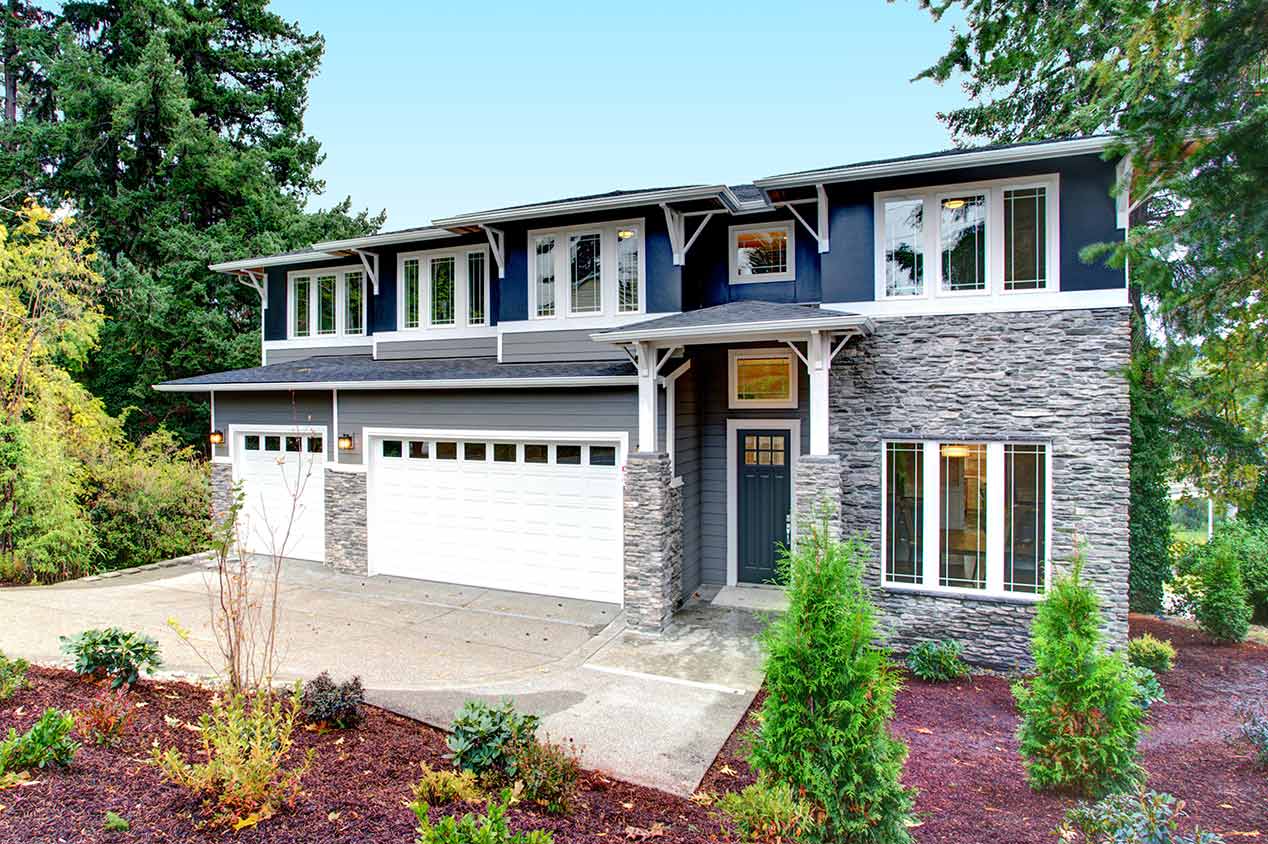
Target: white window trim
[736, 355]
[789, 228]
[929, 564]
[341, 295]
[733, 427]
[461, 293]
[608, 292]
[931, 241]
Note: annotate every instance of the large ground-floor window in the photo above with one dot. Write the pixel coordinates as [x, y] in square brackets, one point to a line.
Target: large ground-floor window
[966, 516]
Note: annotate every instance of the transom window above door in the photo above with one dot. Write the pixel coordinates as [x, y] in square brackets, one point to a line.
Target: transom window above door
[443, 288]
[763, 378]
[587, 270]
[762, 253]
[326, 303]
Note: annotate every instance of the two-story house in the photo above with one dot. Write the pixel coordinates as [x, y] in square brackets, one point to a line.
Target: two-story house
[626, 396]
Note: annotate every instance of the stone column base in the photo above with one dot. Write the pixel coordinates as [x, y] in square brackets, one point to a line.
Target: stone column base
[346, 532]
[653, 543]
[818, 492]
[221, 489]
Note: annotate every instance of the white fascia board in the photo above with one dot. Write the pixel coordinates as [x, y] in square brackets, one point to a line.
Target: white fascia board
[445, 384]
[270, 261]
[386, 239]
[580, 206]
[950, 161]
[737, 329]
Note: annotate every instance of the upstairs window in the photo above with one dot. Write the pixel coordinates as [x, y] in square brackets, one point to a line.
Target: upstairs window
[444, 288]
[475, 288]
[329, 303]
[585, 255]
[301, 306]
[962, 243]
[354, 303]
[327, 293]
[586, 270]
[627, 269]
[904, 247]
[762, 253]
[545, 273]
[1025, 236]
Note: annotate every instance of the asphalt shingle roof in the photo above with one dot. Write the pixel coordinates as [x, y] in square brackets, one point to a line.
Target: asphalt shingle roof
[730, 314]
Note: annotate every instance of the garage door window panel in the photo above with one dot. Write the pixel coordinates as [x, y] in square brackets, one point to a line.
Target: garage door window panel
[568, 455]
[602, 455]
[474, 452]
[505, 453]
[391, 448]
[252, 442]
[418, 449]
[446, 450]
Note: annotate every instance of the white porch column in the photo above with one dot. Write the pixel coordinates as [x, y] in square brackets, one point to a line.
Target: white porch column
[646, 398]
[819, 363]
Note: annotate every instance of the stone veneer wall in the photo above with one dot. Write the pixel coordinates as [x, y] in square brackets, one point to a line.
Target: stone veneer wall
[818, 485]
[346, 532]
[221, 489]
[653, 542]
[1054, 375]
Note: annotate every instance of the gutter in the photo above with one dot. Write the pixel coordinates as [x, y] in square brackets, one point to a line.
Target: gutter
[435, 384]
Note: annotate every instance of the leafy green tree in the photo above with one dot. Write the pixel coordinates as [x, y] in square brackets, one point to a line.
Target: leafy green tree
[1149, 546]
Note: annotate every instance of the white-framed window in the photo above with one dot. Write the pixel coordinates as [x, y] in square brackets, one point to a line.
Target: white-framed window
[587, 270]
[978, 239]
[760, 253]
[966, 517]
[443, 288]
[762, 378]
[325, 303]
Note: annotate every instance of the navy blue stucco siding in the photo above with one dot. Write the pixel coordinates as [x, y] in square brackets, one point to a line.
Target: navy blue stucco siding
[1088, 216]
[708, 272]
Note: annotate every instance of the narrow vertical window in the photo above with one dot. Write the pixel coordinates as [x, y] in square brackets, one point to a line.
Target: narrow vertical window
[904, 512]
[354, 303]
[545, 275]
[301, 316]
[584, 276]
[627, 264]
[411, 293]
[475, 288]
[442, 291]
[1025, 517]
[962, 515]
[1025, 239]
[962, 236]
[904, 248]
[326, 301]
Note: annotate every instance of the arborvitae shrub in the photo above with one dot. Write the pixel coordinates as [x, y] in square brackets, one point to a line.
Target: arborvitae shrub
[1223, 610]
[1081, 716]
[824, 723]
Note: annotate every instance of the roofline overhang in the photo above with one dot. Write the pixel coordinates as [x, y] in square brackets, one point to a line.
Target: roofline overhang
[386, 239]
[579, 206]
[433, 384]
[948, 161]
[269, 261]
[844, 323]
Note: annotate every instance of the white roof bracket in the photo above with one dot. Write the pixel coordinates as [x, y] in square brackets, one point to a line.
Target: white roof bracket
[840, 346]
[631, 352]
[704, 221]
[370, 260]
[497, 243]
[820, 234]
[669, 353]
[797, 352]
[674, 222]
[256, 280]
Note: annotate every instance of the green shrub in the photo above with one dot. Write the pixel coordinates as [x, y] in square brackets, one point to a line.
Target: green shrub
[937, 662]
[824, 723]
[119, 654]
[245, 742]
[1247, 542]
[766, 812]
[1223, 610]
[115, 823]
[1148, 690]
[12, 676]
[1141, 818]
[548, 773]
[1158, 655]
[333, 704]
[486, 738]
[103, 720]
[490, 828]
[1149, 529]
[46, 744]
[436, 788]
[1081, 719]
[1255, 730]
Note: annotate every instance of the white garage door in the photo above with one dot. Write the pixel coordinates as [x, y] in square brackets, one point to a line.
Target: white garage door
[283, 480]
[527, 516]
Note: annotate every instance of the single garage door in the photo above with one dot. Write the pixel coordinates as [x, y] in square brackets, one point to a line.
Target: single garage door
[527, 516]
[283, 480]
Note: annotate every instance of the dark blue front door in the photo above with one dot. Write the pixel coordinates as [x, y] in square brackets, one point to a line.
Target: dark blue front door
[762, 503]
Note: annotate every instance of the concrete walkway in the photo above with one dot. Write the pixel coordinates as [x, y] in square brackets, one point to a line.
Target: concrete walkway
[651, 711]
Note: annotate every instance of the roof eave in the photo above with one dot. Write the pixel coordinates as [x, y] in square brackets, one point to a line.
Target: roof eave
[269, 261]
[586, 205]
[385, 239]
[425, 384]
[758, 330]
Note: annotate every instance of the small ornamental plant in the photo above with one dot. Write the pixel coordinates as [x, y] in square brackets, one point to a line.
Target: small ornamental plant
[766, 812]
[49, 743]
[1081, 714]
[1224, 610]
[1140, 818]
[489, 828]
[103, 720]
[548, 774]
[1255, 730]
[486, 739]
[334, 705]
[12, 676]
[937, 662]
[118, 654]
[1146, 651]
[440, 787]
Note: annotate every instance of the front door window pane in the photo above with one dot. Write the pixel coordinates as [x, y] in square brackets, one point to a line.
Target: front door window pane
[300, 303]
[904, 249]
[904, 512]
[411, 293]
[962, 515]
[442, 291]
[763, 379]
[627, 261]
[354, 303]
[326, 304]
[583, 257]
[759, 253]
[1025, 517]
[1025, 247]
[475, 288]
[545, 273]
[963, 243]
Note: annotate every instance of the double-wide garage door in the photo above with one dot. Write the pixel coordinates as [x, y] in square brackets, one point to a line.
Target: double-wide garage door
[283, 484]
[524, 515]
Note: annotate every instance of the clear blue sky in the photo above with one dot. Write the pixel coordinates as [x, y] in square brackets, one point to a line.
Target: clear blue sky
[431, 109]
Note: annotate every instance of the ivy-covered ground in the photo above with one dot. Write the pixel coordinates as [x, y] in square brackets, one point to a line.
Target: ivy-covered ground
[963, 761]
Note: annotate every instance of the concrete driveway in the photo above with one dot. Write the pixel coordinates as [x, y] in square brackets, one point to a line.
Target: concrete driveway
[651, 711]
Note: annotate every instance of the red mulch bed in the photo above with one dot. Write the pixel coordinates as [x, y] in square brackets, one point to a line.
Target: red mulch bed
[963, 761]
[971, 783]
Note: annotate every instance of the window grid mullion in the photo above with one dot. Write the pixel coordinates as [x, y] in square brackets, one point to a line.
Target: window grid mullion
[933, 508]
[995, 517]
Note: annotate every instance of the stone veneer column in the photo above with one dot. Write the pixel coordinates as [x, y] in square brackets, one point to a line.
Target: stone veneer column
[818, 487]
[346, 521]
[221, 489]
[653, 542]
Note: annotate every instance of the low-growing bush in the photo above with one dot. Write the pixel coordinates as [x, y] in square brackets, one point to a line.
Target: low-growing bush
[12, 676]
[937, 662]
[1158, 655]
[119, 654]
[245, 742]
[46, 744]
[334, 704]
[1255, 730]
[1141, 818]
[438, 787]
[1148, 690]
[485, 738]
[489, 828]
[1223, 610]
[548, 773]
[115, 822]
[103, 720]
[766, 812]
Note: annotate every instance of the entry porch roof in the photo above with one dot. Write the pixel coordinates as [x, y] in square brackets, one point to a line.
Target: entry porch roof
[738, 321]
